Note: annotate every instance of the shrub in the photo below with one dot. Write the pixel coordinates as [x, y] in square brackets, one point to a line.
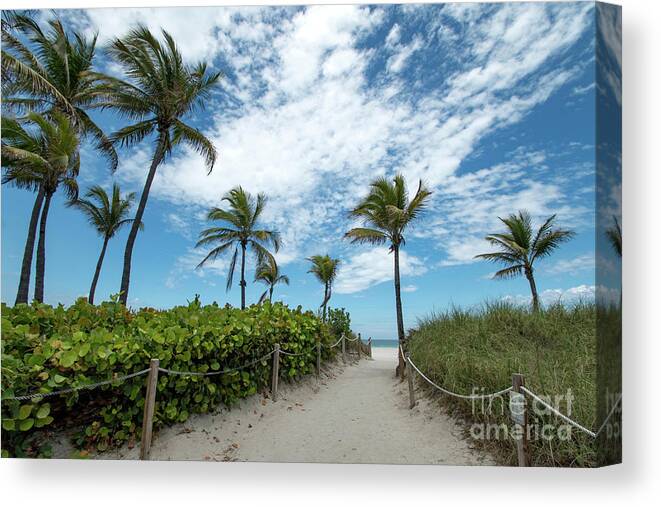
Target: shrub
[339, 322]
[554, 348]
[46, 348]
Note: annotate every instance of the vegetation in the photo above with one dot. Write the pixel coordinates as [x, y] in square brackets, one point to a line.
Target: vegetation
[47, 349]
[386, 212]
[339, 323]
[45, 156]
[614, 235]
[555, 348]
[325, 270]
[107, 215]
[268, 272]
[51, 73]
[161, 91]
[518, 249]
[240, 231]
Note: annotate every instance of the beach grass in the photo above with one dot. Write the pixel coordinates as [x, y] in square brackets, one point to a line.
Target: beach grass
[478, 350]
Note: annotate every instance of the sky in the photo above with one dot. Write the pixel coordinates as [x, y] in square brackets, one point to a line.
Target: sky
[491, 105]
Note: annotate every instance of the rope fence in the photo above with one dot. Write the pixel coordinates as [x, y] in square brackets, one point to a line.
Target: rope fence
[155, 368]
[517, 405]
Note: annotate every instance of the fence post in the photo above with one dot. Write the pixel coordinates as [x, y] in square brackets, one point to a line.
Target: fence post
[318, 359]
[344, 350]
[369, 346]
[409, 374]
[274, 372]
[520, 417]
[359, 344]
[148, 414]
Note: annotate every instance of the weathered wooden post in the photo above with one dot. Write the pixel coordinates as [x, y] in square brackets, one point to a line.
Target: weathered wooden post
[359, 344]
[369, 346]
[409, 374]
[520, 419]
[274, 372]
[344, 350]
[318, 359]
[148, 414]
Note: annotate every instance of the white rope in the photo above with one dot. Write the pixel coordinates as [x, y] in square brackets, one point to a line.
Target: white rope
[295, 354]
[351, 340]
[78, 388]
[567, 419]
[222, 372]
[334, 344]
[457, 395]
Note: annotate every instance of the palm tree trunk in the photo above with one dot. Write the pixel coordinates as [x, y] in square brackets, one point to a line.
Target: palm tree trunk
[533, 289]
[98, 270]
[271, 294]
[41, 251]
[26, 267]
[243, 276]
[401, 366]
[135, 226]
[325, 300]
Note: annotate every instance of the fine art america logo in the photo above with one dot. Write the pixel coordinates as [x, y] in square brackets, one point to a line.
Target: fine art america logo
[539, 423]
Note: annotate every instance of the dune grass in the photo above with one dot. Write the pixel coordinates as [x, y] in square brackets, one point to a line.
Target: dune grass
[477, 351]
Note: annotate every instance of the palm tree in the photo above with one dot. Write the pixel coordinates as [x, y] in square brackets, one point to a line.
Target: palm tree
[268, 273]
[51, 73]
[614, 235]
[161, 90]
[518, 249]
[325, 269]
[386, 212]
[107, 216]
[44, 156]
[239, 230]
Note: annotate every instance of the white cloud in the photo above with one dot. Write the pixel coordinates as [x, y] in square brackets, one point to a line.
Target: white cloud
[375, 266]
[409, 288]
[572, 295]
[311, 132]
[572, 266]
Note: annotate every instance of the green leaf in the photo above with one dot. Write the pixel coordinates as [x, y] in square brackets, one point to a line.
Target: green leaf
[68, 358]
[26, 424]
[59, 378]
[43, 411]
[9, 424]
[84, 350]
[24, 411]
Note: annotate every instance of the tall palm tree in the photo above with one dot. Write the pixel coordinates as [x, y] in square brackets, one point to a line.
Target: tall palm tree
[386, 212]
[519, 248]
[614, 235]
[161, 90]
[107, 215]
[239, 230]
[325, 269]
[268, 273]
[44, 155]
[50, 72]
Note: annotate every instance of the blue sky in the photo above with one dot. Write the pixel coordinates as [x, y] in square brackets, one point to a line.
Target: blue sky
[492, 105]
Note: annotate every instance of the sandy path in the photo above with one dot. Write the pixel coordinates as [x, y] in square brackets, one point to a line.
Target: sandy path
[355, 414]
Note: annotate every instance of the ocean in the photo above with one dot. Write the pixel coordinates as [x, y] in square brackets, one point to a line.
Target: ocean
[384, 343]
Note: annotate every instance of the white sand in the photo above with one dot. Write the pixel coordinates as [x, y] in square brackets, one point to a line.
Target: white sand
[355, 414]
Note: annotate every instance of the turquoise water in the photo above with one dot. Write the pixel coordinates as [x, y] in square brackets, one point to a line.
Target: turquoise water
[385, 343]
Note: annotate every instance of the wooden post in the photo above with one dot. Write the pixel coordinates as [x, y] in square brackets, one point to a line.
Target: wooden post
[344, 350]
[359, 344]
[318, 359]
[409, 374]
[148, 414]
[369, 347]
[275, 372]
[520, 420]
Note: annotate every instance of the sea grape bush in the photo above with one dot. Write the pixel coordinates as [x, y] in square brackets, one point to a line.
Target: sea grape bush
[46, 349]
[339, 322]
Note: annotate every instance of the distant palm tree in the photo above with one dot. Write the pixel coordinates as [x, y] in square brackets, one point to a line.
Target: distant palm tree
[162, 90]
[325, 269]
[51, 72]
[268, 272]
[614, 234]
[107, 216]
[386, 212]
[240, 230]
[44, 155]
[519, 249]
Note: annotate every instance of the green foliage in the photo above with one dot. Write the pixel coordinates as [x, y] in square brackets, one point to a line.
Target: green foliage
[339, 322]
[554, 348]
[45, 349]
